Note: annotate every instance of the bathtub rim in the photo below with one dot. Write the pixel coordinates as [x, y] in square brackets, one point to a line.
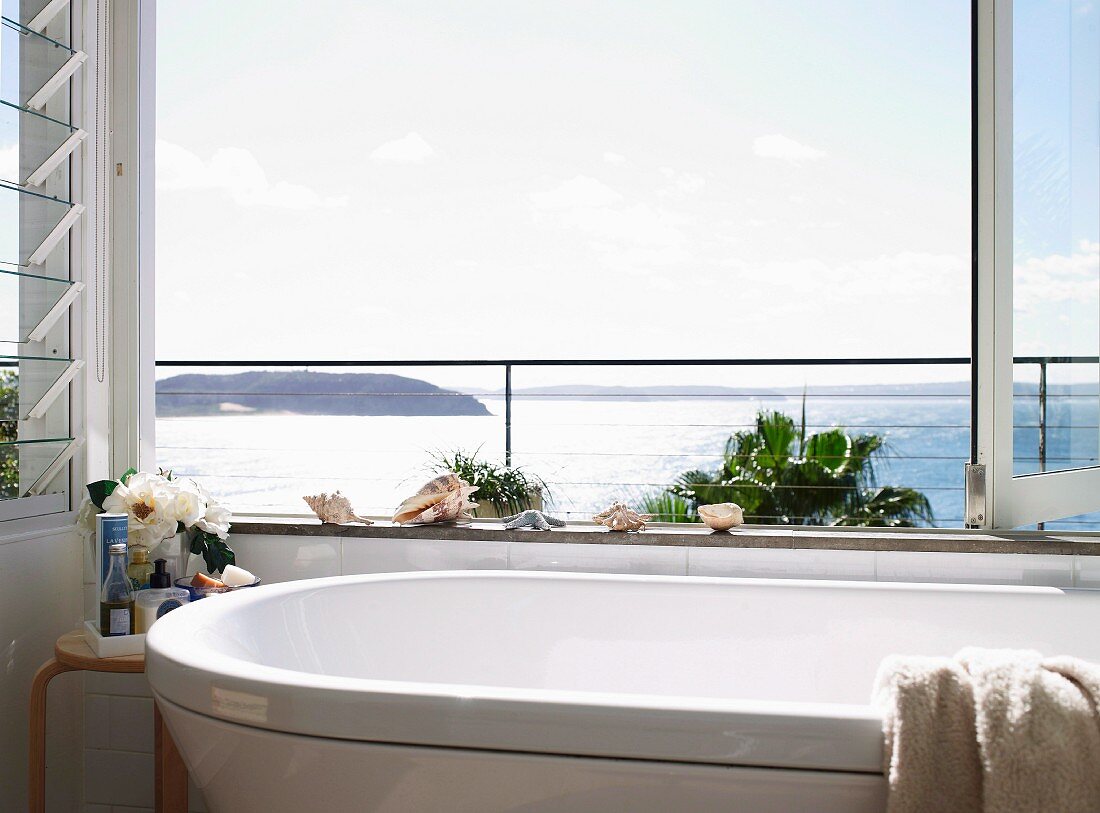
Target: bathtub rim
[787, 734]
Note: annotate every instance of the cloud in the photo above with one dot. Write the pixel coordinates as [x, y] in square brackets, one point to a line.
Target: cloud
[785, 149]
[1057, 278]
[580, 192]
[635, 225]
[412, 149]
[913, 302]
[686, 182]
[9, 162]
[614, 158]
[236, 171]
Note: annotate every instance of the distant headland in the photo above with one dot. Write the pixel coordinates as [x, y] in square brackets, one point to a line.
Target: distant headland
[302, 392]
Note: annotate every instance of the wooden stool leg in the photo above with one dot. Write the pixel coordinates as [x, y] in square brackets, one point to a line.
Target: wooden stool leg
[36, 742]
[171, 774]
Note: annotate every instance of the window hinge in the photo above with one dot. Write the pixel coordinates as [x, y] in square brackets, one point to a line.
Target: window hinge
[976, 509]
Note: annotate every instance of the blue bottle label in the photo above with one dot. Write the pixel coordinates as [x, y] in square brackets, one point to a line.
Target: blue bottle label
[168, 606]
[110, 529]
[120, 622]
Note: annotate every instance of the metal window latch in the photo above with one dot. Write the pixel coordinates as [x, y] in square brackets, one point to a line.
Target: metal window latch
[976, 509]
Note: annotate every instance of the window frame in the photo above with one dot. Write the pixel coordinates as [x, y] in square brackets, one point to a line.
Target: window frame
[1003, 501]
[36, 511]
[1010, 500]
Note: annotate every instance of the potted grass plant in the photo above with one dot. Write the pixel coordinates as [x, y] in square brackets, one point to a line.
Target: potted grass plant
[501, 490]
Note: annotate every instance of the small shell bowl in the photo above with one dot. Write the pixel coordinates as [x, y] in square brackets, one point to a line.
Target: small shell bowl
[722, 517]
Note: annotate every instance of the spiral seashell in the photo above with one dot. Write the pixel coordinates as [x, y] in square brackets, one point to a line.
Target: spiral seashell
[620, 517]
[443, 499]
[334, 509]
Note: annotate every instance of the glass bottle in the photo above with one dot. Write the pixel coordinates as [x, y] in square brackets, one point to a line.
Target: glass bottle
[140, 569]
[116, 599]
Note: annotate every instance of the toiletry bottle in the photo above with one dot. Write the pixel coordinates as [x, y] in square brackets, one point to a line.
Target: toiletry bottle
[116, 599]
[160, 598]
[140, 569]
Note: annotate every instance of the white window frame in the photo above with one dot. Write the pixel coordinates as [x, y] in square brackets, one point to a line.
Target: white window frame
[1009, 500]
[30, 513]
[996, 499]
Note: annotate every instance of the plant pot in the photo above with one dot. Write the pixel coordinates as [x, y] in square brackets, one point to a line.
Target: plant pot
[486, 511]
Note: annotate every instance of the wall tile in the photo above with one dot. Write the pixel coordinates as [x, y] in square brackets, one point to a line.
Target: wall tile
[113, 684]
[1087, 572]
[635, 559]
[410, 555]
[90, 602]
[975, 568]
[97, 721]
[782, 563]
[118, 777]
[40, 600]
[131, 724]
[286, 558]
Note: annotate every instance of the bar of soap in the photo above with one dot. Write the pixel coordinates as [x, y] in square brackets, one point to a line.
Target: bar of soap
[202, 580]
[234, 576]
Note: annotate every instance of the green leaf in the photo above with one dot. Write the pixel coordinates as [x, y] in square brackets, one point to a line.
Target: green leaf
[99, 491]
[777, 434]
[126, 475]
[198, 544]
[214, 550]
[831, 448]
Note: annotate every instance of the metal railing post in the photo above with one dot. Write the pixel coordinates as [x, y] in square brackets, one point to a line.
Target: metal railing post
[507, 414]
[1042, 424]
[1042, 416]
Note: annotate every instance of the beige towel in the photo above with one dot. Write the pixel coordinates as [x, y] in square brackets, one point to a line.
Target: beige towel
[991, 731]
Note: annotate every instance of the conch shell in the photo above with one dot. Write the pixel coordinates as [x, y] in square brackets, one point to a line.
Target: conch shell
[620, 517]
[335, 509]
[443, 499]
[723, 516]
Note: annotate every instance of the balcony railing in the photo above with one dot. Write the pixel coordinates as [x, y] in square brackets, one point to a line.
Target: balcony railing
[593, 451]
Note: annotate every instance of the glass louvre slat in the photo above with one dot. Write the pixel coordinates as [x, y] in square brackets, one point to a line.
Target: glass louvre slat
[24, 300]
[41, 39]
[22, 462]
[26, 219]
[23, 382]
[39, 58]
[27, 139]
[33, 441]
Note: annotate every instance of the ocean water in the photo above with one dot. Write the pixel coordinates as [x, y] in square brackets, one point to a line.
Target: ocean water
[590, 451]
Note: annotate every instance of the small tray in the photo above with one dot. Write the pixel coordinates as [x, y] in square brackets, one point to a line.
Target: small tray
[113, 646]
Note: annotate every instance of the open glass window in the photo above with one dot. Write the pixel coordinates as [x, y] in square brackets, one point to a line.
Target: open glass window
[1038, 276]
[39, 143]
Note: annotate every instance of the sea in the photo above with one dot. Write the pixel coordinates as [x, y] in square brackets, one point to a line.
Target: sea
[593, 450]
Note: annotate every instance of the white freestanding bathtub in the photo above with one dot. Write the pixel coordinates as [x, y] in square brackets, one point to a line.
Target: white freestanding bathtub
[481, 692]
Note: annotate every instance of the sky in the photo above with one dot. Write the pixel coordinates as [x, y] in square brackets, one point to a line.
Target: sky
[605, 179]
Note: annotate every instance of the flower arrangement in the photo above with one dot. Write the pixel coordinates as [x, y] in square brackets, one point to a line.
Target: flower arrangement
[159, 507]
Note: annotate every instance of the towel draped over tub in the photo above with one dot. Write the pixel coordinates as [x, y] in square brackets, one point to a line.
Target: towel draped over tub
[991, 731]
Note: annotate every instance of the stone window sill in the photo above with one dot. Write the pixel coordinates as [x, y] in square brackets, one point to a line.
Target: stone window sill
[924, 540]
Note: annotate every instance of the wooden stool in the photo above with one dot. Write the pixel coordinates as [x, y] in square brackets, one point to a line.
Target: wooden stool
[72, 654]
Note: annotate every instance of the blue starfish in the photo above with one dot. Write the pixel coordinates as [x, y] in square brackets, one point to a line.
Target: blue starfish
[532, 521]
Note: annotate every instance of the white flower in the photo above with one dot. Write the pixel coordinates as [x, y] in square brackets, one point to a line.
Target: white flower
[216, 520]
[217, 517]
[190, 501]
[85, 517]
[151, 503]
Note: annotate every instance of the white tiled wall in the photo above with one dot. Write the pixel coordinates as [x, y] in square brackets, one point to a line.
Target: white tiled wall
[118, 711]
[39, 601]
